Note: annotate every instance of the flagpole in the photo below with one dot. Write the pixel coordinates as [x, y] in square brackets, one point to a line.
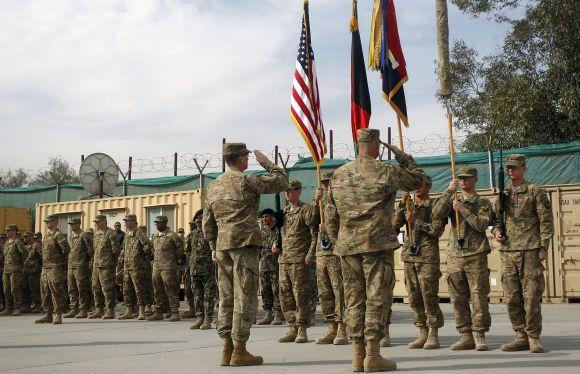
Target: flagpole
[453, 169]
[406, 197]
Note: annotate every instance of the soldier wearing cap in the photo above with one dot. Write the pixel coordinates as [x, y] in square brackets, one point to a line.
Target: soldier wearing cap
[269, 284]
[230, 226]
[32, 270]
[183, 275]
[421, 264]
[3, 239]
[106, 245]
[14, 253]
[168, 254]
[529, 229]
[358, 211]
[149, 293]
[467, 266]
[53, 289]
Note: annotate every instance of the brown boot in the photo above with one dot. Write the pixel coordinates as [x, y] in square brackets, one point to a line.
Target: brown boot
[197, 324]
[301, 337]
[71, 313]
[127, 315]
[148, 310]
[206, 325]
[341, 338]
[188, 314]
[97, 313]
[57, 319]
[290, 336]
[386, 340]
[421, 339]
[480, 344]
[110, 313]
[157, 316]
[520, 343]
[374, 362]
[241, 357]
[277, 318]
[328, 338]
[167, 315]
[359, 355]
[432, 339]
[141, 316]
[535, 345]
[174, 317]
[466, 342]
[268, 318]
[82, 314]
[227, 352]
[46, 319]
[6, 312]
[17, 312]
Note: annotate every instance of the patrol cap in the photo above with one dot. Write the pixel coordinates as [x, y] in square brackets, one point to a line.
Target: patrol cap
[294, 185]
[130, 217]
[516, 160]
[12, 227]
[326, 176]
[238, 149]
[28, 233]
[161, 219]
[180, 230]
[197, 214]
[428, 179]
[50, 218]
[467, 171]
[368, 135]
[73, 221]
[100, 217]
[266, 211]
[37, 235]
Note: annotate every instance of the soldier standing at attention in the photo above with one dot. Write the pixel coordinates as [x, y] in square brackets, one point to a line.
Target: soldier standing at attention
[78, 274]
[467, 258]
[184, 274]
[3, 239]
[53, 289]
[149, 292]
[14, 252]
[529, 228]
[230, 226]
[269, 286]
[421, 265]
[358, 211]
[107, 251]
[168, 255]
[32, 269]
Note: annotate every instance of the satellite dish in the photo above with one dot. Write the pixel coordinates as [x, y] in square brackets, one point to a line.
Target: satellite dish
[99, 174]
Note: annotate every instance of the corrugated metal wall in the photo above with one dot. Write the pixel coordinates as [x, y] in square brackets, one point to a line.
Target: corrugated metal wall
[18, 216]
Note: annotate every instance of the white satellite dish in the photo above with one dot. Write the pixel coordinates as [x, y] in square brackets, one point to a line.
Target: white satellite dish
[99, 174]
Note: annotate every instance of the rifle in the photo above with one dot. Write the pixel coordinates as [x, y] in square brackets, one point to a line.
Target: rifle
[501, 197]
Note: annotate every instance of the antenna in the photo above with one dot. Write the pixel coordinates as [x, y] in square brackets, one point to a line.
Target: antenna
[99, 174]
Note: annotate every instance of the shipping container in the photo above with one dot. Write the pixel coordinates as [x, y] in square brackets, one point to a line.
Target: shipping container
[17, 216]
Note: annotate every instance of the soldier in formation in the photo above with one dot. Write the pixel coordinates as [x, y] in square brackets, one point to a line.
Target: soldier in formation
[184, 275]
[81, 252]
[14, 253]
[269, 286]
[31, 273]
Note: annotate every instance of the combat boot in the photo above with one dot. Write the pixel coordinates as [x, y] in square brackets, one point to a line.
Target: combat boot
[386, 340]
[520, 343]
[359, 354]
[301, 337]
[328, 338]
[97, 313]
[341, 338]
[157, 316]
[432, 339]
[127, 315]
[46, 319]
[110, 313]
[17, 312]
[6, 312]
[466, 342]
[480, 344]
[206, 325]
[290, 336]
[268, 318]
[174, 317]
[535, 345]
[166, 315]
[82, 314]
[71, 313]
[227, 352]
[374, 362]
[57, 319]
[148, 310]
[197, 324]
[241, 357]
[141, 316]
[421, 339]
[188, 314]
[277, 318]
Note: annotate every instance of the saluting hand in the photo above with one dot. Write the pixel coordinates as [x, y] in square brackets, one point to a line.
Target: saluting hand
[261, 158]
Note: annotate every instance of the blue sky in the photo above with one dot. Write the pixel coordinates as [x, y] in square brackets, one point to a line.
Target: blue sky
[146, 78]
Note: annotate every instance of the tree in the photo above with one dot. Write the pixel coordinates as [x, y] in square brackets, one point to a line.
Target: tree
[58, 172]
[528, 92]
[14, 178]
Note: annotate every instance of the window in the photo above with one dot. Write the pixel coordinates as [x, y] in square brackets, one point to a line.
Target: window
[114, 215]
[63, 219]
[153, 212]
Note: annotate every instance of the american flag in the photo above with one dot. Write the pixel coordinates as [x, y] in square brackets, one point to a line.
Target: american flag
[305, 100]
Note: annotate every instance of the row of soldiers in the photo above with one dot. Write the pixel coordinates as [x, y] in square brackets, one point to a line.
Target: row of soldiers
[354, 253]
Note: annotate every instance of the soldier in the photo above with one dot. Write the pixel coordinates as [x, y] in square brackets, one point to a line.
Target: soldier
[313, 281]
[358, 211]
[78, 274]
[168, 255]
[14, 254]
[421, 264]
[184, 274]
[269, 286]
[53, 290]
[91, 237]
[202, 270]
[468, 272]
[149, 293]
[295, 259]
[32, 269]
[230, 226]
[106, 245]
[3, 239]
[120, 233]
[329, 277]
[529, 228]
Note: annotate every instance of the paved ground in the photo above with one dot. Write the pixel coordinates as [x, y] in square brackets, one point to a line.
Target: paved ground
[95, 346]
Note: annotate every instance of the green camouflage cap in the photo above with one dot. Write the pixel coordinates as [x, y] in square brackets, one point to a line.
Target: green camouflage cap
[326, 176]
[516, 160]
[467, 171]
[294, 185]
[50, 218]
[130, 217]
[100, 217]
[73, 221]
[161, 219]
[368, 135]
[230, 149]
[12, 227]
[28, 233]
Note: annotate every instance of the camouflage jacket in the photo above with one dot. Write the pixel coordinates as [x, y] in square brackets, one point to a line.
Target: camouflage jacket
[318, 236]
[168, 250]
[231, 206]
[14, 255]
[269, 259]
[33, 260]
[474, 220]
[426, 231]
[81, 250]
[296, 232]
[361, 203]
[107, 249]
[199, 252]
[136, 250]
[55, 249]
[528, 218]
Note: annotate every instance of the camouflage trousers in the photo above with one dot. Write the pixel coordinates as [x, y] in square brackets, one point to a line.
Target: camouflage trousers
[166, 289]
[368, 280]
[314, 287]
[270, 288]
[330, 289]
[204, 289]
[469, 279]
[238, 290]
[390, 258]
[135, 288]
[523, 284]
[295, 293]
[78, 287]
[12, 283]
[31, 289]
[422, 283]
[183, 275]
[104, 290]
[53, 290]
[149, 291]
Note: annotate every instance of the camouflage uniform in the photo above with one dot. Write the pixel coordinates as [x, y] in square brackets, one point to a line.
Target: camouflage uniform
[2, 298]
[53, 287]
[135, 255]
[106, 245]
[168, 251]
[202, 271]
[81, 251]
[269, 283]
[313, 271]
[14, 254]
[32, 270]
